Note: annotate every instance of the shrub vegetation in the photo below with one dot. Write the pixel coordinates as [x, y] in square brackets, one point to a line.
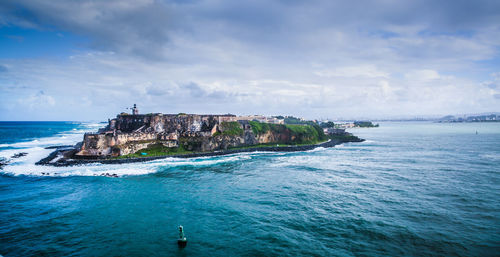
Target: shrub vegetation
[156, 150]
[232, 128]
[302, 134]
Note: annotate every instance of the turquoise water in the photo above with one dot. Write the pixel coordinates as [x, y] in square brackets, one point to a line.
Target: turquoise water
[411, 189]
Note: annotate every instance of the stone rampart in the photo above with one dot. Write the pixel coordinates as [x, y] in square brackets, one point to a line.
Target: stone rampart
[129, 133]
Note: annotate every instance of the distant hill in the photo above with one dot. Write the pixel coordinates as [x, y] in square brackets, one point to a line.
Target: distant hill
[485, 117]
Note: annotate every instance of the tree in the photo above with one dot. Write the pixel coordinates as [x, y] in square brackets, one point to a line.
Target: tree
[328, 124]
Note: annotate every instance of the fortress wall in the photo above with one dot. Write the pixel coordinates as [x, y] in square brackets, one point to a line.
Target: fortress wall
[130, 123]
[96, 144]
[134, 137]
[168, 137]
[129, 133]
[168, 122]
[132, 148]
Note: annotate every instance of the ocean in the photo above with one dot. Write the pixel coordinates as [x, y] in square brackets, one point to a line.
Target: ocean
[411, 189]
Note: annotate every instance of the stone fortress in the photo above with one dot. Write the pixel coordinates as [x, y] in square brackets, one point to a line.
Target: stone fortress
[129, 133]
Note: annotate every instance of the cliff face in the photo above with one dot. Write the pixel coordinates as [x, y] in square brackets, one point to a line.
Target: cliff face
[109, 144]
[273, 137]
[224, 142]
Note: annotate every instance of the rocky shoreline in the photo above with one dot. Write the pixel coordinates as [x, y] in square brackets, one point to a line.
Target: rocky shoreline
[61, 157]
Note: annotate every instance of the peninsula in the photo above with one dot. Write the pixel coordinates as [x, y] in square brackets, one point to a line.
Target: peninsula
[132, 137]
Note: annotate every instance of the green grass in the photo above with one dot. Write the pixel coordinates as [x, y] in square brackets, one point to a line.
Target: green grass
[232, 128]
[156, 150]
[259, 128]
[303, 134]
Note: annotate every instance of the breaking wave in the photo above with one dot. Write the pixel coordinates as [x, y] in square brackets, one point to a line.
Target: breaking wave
[35, 149]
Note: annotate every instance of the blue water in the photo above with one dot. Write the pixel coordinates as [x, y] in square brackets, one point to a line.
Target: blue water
[411, 189]
[22, 131]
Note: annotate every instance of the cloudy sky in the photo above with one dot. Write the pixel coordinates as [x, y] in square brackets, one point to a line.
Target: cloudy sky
[89, 60]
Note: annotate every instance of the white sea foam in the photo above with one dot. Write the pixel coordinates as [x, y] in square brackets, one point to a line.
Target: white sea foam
[82, 170]
[317, 149]
[25, 166]
[35, 150]
[199, 161]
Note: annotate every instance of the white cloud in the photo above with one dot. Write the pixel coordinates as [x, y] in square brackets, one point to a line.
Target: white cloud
[369, 71]
[37, 101]
[422, 75]
[328, 59]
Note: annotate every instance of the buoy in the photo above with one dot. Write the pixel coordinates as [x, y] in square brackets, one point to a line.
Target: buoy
[182, 241]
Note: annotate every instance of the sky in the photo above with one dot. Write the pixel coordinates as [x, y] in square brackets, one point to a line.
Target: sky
[317, 59]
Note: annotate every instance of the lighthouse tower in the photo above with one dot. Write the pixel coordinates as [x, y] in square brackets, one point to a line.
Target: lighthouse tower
[135, 111]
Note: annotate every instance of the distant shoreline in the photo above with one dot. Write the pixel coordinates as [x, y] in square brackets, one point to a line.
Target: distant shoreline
[63, 162]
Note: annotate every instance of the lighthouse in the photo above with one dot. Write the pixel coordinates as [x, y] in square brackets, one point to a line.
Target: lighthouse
[135, 111]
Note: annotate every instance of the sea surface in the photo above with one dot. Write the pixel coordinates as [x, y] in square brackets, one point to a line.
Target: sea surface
[411, 189]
